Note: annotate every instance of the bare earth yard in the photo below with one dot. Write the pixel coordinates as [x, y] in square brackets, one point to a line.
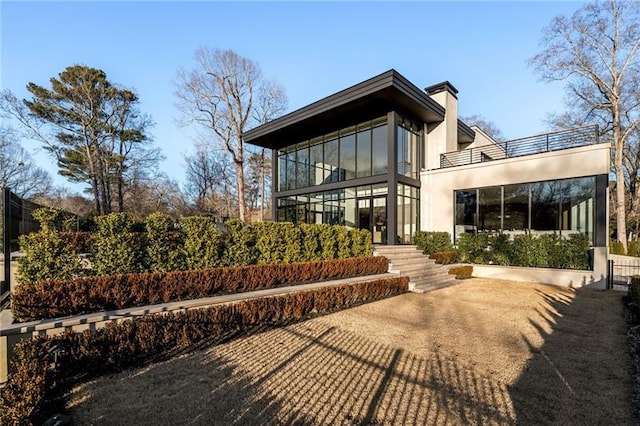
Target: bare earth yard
[484, 351]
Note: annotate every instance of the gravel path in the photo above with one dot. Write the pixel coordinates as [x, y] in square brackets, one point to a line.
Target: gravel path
[484, 351]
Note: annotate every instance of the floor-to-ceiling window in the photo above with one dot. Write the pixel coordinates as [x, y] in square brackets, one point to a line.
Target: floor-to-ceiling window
[408, 213]
[557, 206]
[408, 140]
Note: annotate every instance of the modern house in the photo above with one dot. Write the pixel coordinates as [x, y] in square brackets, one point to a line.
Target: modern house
[386, 156]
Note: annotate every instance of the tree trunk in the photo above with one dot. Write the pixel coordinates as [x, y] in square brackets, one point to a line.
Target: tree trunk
[262, 185]
[621, 212]
[240, 174]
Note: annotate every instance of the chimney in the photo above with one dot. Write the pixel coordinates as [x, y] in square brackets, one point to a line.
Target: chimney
[444, 135]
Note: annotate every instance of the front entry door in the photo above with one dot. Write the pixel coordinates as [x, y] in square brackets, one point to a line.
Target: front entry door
[372, 216]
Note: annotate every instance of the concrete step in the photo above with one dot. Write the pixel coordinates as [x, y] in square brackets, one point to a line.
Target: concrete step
[431, 270]
[402, 263]
[424, 288]
[395, 249]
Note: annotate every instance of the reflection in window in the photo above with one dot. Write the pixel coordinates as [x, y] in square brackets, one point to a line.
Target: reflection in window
[466, 209]
[545, 201]
[380, 149]
[516, 208]
[363, 146]
[331, 160]
[347, 154]
[408, 213]
[490, 209]
[560, 206]
[577, 209]
[316, 164]
[408, 140]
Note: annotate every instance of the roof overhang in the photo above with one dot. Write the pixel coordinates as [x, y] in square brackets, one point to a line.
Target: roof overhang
[386, 92]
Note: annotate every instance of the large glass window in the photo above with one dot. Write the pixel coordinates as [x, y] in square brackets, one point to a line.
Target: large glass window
[354, 152]
[516, 208]
[302, 165]
[331, 160]
[407, 213]
[316, 163]
[559, 206]
[347, 154]
[545, 202]
[578, 197]
[363, 151]
[466, 212]
[408, 140]
[490, 209]
[380, 149]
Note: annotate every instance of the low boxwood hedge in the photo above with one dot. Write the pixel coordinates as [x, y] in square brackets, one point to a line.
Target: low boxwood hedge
[34, 386]
[56, 298]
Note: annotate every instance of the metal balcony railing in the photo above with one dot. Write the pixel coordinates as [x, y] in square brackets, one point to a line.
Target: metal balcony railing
[546, 142]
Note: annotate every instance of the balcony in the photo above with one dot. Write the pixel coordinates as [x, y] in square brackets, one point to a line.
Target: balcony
[546, 142]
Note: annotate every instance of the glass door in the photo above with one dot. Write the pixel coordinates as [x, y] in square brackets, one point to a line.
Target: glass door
[372, 216]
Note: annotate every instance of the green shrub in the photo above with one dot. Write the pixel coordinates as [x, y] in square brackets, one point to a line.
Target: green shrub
[461, 272]
[164, 244]
[203, 242]
[361, 244]
[46, 256]
[616, 247]
[135, 341]
[500, 249]
[55, 298]
[527, 251]
[433, 242]
[292, 244]
[576, 250]
[269, 241]
[310, 237]
[117, 249]
[328, 243]
[240, 244]
[50, 219]
[473, 248]
[341, 234]
[633, 248]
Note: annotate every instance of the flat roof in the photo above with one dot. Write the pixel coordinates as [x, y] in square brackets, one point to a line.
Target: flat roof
[389, 91]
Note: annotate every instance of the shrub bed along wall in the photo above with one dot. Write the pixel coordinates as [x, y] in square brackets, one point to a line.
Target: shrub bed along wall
[32, 389]
[56, 298]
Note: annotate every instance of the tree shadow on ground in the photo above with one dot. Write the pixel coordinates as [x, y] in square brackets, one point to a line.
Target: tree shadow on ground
[580, 374]
[306, 373]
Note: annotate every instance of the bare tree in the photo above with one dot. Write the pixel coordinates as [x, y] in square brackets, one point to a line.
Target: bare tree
[18, 170]
[210, 183]
[223, 95]
[595, 52]
[489, 127]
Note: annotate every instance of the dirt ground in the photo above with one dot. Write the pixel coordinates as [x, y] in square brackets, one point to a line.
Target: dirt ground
[482, 352]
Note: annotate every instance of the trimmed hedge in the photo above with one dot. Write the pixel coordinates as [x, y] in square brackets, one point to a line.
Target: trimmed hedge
[535, 251]
[433, 242]
[27, 398]
[461, 272]
[118, 246]
[56, 298]
[444, 257]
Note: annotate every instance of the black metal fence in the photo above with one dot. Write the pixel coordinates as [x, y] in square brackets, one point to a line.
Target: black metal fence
[17, 219]
[619, 273]
[554, 141]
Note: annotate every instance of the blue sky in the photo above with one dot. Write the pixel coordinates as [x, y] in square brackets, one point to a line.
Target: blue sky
[313, 49]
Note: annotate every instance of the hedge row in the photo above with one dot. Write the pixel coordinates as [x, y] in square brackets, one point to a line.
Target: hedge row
[56, 298]
[537, 251]
[33, 386]
[461, 272]
[192, 243]
[633, 247]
